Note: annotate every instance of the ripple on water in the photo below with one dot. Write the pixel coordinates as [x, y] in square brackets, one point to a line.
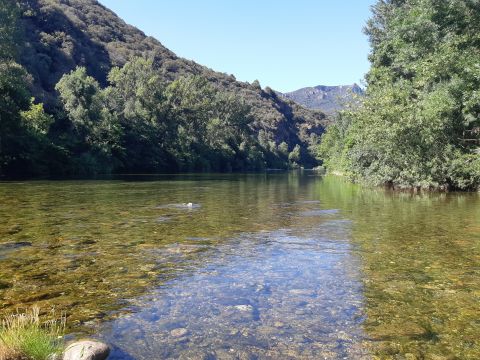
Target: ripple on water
[319, 212]
[264, 295]
[182, 206]
[194, 288]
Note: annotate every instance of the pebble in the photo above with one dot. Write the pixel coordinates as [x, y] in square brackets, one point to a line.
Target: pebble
[244, 307]
[179, 332]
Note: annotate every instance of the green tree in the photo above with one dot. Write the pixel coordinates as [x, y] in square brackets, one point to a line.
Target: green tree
[137, 97]
[36, 119]
[95, 130]
[191, 102]
[421, 113]
[283, 149]
[9, 31]
[295, 155]
[14, 98]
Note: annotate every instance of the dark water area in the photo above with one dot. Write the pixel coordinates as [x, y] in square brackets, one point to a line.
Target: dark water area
[266, 266]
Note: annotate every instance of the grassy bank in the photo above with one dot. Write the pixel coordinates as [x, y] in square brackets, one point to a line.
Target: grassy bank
[24, 336]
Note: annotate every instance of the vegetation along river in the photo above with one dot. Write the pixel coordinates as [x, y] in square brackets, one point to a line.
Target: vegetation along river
[267, 266]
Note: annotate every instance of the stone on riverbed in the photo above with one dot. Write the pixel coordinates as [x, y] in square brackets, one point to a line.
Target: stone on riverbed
[86, 350]
[179, 332]
[248, 308]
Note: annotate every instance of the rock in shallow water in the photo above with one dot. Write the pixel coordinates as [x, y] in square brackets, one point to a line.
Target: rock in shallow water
[179, 332]
[86, 350]
[248, 308]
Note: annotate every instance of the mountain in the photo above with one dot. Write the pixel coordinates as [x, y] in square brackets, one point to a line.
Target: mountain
[63, 34]
[328, 99]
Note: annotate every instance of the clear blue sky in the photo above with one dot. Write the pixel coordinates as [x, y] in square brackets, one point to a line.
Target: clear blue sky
[285, 44]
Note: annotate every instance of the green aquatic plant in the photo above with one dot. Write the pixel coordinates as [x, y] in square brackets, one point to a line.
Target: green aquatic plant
[26, 336]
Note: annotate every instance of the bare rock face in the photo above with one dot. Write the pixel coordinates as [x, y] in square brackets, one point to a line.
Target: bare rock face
[86, 350]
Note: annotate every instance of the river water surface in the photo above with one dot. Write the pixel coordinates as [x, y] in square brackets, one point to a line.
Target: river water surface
[270, 266]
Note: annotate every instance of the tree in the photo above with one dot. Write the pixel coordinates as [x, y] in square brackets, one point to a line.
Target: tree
[421, 109]
[9, 31]
[14, 98]
[137, 97]
[95, 128]
[36, 119]
[295, 155]
[256, 85]
[283, 148]
[191, 102]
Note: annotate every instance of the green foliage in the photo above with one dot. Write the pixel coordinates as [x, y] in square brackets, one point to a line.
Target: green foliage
[464, 171]
[14, 92]
[418, 124]
[25, 336]
[9, 33]
[283, 148]
[140, 124]
[14, 97]
[81, 98]
[93, 138]
[213, 128]
[23, 125]
[295, 156]
[136, 97]
[36, 119]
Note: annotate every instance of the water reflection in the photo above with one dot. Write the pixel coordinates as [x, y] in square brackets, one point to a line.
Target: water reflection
[89, 245]
[258, 266]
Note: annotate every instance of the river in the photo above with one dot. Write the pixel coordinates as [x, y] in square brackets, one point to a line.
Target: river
[258, 266]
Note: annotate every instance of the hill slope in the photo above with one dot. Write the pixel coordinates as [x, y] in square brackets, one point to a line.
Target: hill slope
[328, 99]
[63, 34]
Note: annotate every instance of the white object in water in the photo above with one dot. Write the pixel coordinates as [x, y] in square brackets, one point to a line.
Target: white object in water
[190, 205]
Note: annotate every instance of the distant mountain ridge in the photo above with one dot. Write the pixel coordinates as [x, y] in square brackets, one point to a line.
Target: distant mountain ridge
[328, 99]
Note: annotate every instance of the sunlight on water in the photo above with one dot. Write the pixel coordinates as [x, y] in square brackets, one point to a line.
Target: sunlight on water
[247, 266]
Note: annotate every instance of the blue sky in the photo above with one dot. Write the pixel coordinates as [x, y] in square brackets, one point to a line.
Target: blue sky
[285, 44]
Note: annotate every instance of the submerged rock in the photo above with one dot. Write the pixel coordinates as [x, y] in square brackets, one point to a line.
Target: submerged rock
[86, 350]
[14, 245]
[5, 285]
[179, 332]
[241, 313]
[248, 308]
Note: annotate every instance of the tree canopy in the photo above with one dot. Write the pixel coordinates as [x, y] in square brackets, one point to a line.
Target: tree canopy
[418, 125]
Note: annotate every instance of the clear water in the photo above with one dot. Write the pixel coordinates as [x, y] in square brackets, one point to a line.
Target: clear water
[271, 266]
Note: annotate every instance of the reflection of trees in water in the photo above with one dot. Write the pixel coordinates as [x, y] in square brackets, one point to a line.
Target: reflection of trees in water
[419, 257]
[97, 244]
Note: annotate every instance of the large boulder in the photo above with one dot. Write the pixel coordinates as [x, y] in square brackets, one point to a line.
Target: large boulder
[86, 350]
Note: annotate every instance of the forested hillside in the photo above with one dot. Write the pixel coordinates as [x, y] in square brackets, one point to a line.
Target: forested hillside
[88, 93]
[419, 124]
